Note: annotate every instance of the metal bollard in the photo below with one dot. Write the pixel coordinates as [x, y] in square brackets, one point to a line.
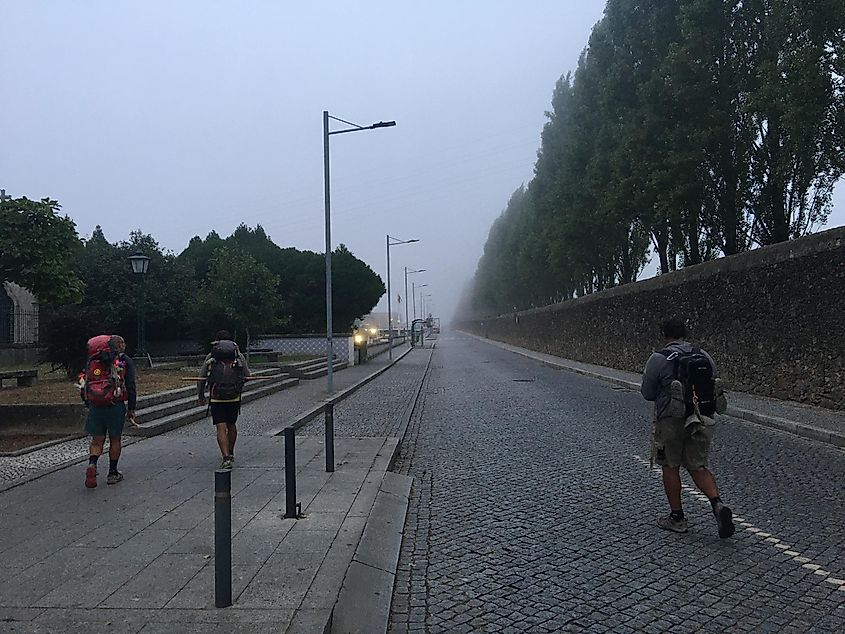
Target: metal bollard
[290, 473]
[222, 538]
[329, 437]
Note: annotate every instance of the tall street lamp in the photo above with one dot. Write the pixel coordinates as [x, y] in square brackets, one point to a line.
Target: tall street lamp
[414, 296]
[326, 134]
[140, 266]
[422, 300]
[395, 241]
[407, 273]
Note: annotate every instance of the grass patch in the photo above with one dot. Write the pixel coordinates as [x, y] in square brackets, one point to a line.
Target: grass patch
[55, 387]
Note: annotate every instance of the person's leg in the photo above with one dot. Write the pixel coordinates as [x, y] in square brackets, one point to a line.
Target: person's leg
[117, 417]
[231, 419]
[668, 453]
[95, 450]
[696, 451]
[672, 486]
[223, 439]
[232, 434]
[115, 445]
[705, 482]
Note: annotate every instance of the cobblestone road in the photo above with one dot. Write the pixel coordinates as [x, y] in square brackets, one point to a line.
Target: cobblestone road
[533, 510]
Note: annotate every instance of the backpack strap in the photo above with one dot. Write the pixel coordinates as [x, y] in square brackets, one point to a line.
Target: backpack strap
[671, 355]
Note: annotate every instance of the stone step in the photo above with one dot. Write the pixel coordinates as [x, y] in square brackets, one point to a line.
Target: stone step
[150, 400]
[313, 369]
[191, 412]
[321, 370]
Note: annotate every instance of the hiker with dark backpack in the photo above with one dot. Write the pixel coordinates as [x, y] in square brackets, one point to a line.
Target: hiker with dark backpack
[107, 386]
[681, 381]
[224, 371]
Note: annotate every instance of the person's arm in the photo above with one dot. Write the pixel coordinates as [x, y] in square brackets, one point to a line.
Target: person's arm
[651, 384]
[201, 384]
[244, 364]
[131, 387]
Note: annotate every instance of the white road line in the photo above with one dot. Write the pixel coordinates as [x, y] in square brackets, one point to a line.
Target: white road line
[766, 538]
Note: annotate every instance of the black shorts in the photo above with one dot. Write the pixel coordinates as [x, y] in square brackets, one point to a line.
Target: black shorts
[225, 412]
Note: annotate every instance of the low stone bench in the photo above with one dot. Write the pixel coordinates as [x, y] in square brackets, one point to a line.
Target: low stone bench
[25, 378]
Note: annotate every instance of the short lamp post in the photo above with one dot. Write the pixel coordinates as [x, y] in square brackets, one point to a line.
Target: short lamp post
[392, 242]
[140, 266]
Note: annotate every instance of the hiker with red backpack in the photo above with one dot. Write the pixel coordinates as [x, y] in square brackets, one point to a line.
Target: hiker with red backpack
[107, 387]
[681, 381]
[224, 371]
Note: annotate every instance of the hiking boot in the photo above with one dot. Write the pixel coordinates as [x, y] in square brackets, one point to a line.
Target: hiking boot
[91, 476]
[669, 523]
[114, 478]
[228, 463]
[724, 518]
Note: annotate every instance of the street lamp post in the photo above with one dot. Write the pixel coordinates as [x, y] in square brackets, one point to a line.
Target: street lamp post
[140, 266]
[326, 134]
[422, 301]
[414, 296]
[395, 242]
[407, 273]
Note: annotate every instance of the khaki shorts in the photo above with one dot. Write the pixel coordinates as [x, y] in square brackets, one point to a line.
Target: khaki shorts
[677, 445]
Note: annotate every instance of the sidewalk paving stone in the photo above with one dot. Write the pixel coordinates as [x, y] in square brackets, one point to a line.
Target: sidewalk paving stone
[139, 556]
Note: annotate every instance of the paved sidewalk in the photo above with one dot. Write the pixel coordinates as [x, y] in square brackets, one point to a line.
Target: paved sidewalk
[138, 557]
[816, 423]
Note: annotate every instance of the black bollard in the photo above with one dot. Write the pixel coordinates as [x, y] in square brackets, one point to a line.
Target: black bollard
[329, 437]
[290, 473]
[222, 538]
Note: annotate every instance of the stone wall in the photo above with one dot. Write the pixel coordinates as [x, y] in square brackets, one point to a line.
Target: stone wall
[773, 318]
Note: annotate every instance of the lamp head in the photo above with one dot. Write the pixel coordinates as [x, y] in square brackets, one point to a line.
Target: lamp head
[140, 263]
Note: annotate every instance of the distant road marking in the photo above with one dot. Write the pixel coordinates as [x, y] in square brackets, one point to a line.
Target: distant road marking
[767, 538]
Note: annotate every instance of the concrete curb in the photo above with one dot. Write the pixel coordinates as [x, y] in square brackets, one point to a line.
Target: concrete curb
[303, 418]
[409, 413]
[43, 445]
[810, 432]
[6, 486]
[373, 568]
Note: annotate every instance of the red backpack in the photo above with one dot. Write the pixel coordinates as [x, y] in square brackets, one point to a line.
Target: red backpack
[105, 373]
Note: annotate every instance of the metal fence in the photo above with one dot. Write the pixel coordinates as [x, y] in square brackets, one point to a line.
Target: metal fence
[18, 327]
[305, 345]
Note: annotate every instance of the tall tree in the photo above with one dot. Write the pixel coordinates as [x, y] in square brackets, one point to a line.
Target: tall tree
[241, 295]
[798, 108]
[37, 249]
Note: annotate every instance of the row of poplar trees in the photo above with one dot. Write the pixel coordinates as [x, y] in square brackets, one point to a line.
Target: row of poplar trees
[690, 129]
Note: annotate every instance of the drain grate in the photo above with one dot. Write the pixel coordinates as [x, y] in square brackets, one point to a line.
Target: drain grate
[523, 380]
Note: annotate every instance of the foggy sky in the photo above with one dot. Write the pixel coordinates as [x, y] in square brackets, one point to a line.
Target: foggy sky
[183, 118]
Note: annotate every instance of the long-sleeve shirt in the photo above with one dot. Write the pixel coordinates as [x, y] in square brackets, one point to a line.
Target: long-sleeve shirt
[659, 373]
[129, 380]
[203, 374]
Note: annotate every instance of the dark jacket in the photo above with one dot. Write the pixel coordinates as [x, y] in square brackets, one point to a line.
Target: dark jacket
[131, 388]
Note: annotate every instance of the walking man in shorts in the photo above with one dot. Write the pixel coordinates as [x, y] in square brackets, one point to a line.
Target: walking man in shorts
[224, 371]
[110, 394]
[683, 427]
